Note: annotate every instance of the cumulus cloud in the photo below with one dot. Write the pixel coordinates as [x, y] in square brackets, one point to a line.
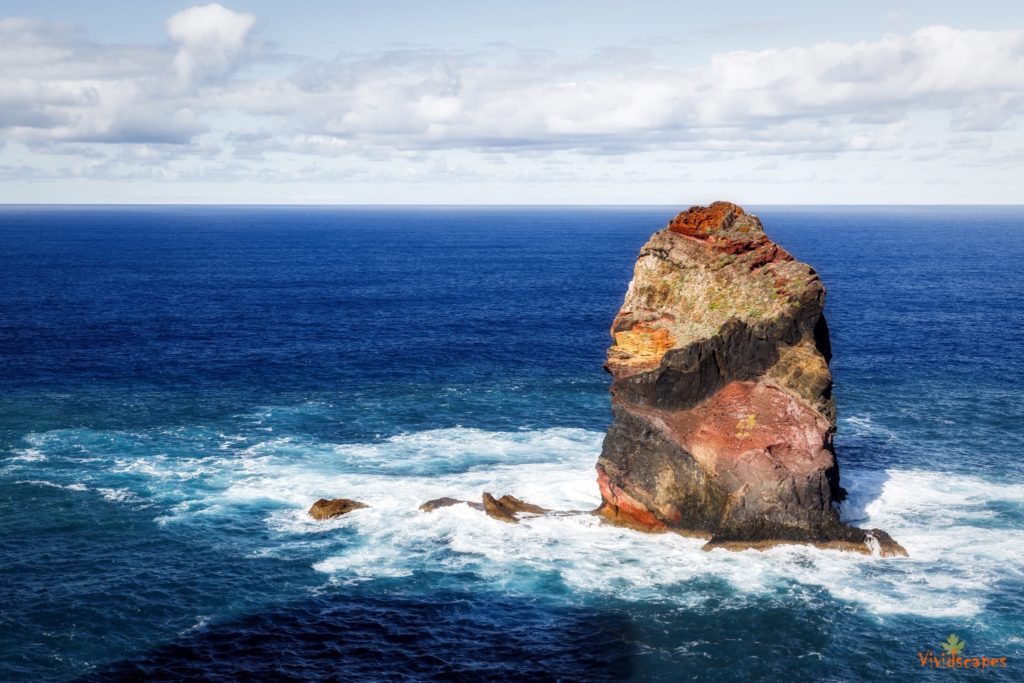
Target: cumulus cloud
[211, 40]
[436, 99]
[827, 99]
[55, 84]
[933, 67]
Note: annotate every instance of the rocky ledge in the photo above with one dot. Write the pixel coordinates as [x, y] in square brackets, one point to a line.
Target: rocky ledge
[329, 508]
[505, 509]
[722, 404]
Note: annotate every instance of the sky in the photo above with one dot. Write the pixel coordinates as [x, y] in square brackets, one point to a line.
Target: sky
[575, 102]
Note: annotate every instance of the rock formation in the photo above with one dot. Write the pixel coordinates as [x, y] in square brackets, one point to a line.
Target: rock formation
[443, 502]
[504, 509]
[335, 507]
[721, 393]
[507, 507]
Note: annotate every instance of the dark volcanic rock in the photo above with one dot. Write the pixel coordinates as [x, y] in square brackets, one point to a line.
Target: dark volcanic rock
[721, 393]
[335, 507]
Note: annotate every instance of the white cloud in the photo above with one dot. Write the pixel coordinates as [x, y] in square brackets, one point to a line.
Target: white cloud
[897, 94]
[211, 39]
[57, 85]
[848, 96]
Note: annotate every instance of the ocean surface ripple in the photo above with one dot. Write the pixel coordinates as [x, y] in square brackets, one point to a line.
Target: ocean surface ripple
[179, 384]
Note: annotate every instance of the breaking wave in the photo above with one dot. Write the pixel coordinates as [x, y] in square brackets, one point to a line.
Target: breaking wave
[963, 533]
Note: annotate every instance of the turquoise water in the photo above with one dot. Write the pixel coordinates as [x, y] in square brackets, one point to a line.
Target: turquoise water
[178, 385]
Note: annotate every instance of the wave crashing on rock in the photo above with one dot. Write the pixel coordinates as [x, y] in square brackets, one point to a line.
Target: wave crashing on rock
[723, 416]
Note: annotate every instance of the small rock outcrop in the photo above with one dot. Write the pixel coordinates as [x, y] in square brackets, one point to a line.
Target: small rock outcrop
[436, 503]
[334, 507]
[723, 416]
[507, 507]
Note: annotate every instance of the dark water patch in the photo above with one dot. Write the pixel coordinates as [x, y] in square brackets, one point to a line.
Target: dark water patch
[361, 635]
[167, 331]
[83, 580]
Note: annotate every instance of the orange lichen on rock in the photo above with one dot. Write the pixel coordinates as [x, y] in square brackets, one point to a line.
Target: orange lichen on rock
[722, 394]
[643, 344]
[730, 230]
[702, 221]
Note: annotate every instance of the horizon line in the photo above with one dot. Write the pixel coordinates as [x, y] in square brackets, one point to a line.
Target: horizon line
[4, 205]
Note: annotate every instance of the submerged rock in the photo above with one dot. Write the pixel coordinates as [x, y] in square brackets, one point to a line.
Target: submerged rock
[436, 503]
[334, 507]
[722, 404]
[444, 502]
[506, 507]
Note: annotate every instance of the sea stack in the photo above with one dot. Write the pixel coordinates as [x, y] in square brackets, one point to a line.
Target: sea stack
[723, 415]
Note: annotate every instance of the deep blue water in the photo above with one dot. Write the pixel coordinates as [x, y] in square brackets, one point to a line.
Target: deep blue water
[177, 385]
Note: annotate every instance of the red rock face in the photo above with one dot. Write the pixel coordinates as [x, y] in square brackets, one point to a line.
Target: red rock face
[624, 509]
[704, 221]
[752, 428]
[722, 394]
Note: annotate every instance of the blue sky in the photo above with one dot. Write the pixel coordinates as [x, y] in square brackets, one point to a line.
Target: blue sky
[526, 102]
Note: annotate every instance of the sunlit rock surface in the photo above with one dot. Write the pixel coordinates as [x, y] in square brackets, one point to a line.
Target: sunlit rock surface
[721, 393]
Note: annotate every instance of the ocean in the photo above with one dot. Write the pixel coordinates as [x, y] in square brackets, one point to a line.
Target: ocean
[179, 384]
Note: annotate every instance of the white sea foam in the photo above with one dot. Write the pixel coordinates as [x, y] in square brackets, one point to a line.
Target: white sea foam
[76, 486]
[864, 425]
[955, 558]
[119, 495]
[29, 455]
[955, 528]
[199, 625]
